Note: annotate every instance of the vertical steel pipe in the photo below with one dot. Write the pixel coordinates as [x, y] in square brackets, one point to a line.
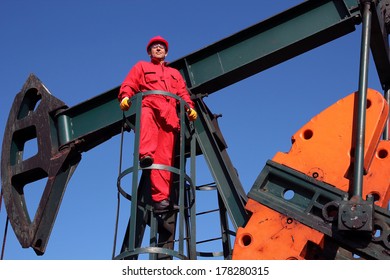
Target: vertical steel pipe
[360, 116]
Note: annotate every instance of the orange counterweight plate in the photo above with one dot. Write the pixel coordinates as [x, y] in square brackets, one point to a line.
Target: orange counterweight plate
[322, 149]
[269, 235]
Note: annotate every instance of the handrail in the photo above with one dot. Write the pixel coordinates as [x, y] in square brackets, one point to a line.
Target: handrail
[132, 250]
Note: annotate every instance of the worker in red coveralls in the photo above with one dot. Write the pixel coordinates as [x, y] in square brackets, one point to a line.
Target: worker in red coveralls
[159, 119]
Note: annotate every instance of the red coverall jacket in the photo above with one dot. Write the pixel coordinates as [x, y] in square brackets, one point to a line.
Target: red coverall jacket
[159, 119]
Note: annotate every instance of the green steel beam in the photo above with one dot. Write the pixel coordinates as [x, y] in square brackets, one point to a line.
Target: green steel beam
[379, 43]
[268, 43]
[213, 148]
[92, 122]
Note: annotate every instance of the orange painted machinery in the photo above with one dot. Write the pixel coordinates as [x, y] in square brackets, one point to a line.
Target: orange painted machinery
[314, 180]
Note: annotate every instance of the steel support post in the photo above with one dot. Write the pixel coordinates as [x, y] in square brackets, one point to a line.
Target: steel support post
[360, 116]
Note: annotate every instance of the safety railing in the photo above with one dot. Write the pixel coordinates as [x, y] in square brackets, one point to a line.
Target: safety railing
[162, 233]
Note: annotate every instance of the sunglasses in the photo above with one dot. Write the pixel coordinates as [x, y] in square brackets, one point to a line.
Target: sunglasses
[155, 46]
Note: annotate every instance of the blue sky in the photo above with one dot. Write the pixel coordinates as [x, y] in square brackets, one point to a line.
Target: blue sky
[80, 49]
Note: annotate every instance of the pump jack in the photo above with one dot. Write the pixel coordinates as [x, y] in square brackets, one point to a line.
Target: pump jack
[337, 171]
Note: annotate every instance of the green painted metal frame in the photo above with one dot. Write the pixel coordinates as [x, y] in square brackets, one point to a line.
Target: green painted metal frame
[210, 141]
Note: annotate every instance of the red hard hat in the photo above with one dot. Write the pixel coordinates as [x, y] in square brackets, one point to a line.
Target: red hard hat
[157, 39]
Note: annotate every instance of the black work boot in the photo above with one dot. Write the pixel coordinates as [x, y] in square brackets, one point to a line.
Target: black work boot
[145, 161]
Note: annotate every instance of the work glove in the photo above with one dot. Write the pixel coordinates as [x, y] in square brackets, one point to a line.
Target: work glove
[125, 104]
[192, 114]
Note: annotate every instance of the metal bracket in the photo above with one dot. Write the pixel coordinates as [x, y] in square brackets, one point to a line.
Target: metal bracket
[356, 214]
[384, 6]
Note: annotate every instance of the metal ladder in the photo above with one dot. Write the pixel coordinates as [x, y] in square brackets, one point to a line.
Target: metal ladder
[162, 226]
[194, 139]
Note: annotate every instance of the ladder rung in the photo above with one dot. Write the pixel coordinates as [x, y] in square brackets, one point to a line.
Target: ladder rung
[209, 240]
[207, 212]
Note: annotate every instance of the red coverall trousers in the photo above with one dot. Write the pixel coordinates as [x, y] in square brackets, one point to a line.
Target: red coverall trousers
[157, 139]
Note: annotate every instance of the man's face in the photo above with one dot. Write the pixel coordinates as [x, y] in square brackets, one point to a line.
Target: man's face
[158, 50]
